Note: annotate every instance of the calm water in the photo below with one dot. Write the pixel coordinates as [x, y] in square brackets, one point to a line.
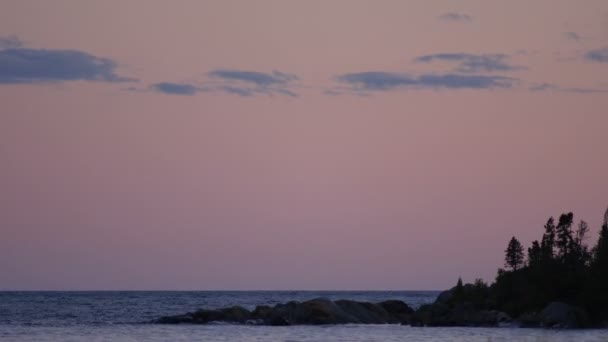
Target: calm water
[118, 316]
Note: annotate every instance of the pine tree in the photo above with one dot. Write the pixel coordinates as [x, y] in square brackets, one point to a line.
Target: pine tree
[548, 242]
[534, 254]
[514, 254]
[564, 236]
[579, 250]
[600, 251]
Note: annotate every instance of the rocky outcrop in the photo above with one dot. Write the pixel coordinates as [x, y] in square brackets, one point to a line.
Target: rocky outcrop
[445, 311]
[556, 315]
[464, 314]
[562, 315]
[316, 311]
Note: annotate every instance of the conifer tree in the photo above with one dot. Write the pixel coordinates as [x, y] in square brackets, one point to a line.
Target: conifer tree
[548, 241]
[564, 236]
[600, 252]
[514, 254]
[534, 254]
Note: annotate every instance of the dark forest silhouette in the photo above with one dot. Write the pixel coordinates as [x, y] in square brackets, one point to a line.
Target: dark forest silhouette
[559, 268]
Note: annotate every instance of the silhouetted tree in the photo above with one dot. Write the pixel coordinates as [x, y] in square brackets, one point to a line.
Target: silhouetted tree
[564, 236]
[580, 255]
[535, 254]
[548, 241]
[560, 267]
[458, 294]
[514, 254]
[600, 251]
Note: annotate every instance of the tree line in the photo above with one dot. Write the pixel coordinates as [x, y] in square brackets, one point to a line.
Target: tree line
[558, 267]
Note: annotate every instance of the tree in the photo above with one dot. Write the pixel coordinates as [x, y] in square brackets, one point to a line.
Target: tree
[579, 250]
[514, 254]
[548, 242]
[535, 254]
[600, 251]
[458, 294]
[564, 236]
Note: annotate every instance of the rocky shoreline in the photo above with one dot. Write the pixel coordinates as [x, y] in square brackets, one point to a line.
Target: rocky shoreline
[443, 312]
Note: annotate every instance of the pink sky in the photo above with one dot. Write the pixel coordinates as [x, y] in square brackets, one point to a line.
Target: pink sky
[293, 145]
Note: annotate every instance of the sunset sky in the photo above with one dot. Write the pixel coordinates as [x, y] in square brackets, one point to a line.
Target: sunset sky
[324, 144]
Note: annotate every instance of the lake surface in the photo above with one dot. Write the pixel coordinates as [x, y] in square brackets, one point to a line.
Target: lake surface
[120, 316]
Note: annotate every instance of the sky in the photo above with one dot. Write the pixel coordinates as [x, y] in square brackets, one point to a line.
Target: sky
[264, 145]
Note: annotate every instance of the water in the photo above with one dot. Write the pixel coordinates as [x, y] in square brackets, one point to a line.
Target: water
[118, 316]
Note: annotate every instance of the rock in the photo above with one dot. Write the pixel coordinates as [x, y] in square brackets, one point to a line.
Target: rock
[503, 319]
[462, 314]
[562, 315]
[262, 312]
[178, 319]
[235, 314]
[363, 312]
[529, 320]
[315, 311]
[431, 315]
[445, 296]
[396, 306]
[278, 321]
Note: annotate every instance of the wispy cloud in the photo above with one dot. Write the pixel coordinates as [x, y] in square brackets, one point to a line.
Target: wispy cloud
[258, 78]
[471, 63]
[455, 16]
[236, 82]
[384, 81]
[554, 87]
[175, 88]
[250, 83]
[23, 65]
[572, 36]
[598, 55]
[10, 42]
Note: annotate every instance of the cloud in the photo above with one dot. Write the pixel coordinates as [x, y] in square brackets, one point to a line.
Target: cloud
[543, 87]
[258, 78]
[332, 92]
[10, 42]
[240, 91]
[249, 83]
[554, 87]
[572, 35]
[21, 65]
[599, 55]
[470, 63]
[383, 81]
[176, 88]
[454, 16]
[235, 82]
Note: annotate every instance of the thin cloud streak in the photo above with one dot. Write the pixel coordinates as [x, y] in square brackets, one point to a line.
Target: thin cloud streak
[175, 88]
[235, 82]
[249, 83]
[455, 16]
[572, 36]
[258, 78]
[471, 63]
[384, 81]
[553, 87]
